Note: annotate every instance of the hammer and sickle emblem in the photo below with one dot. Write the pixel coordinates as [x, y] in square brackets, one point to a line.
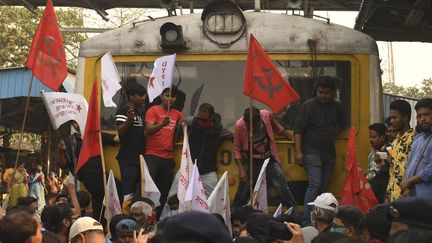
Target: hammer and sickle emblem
[270, 87]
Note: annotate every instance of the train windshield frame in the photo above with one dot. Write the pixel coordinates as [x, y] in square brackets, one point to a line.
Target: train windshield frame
[222, 82]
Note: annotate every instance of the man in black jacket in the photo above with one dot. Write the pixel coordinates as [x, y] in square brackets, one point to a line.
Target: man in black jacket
[206, 134]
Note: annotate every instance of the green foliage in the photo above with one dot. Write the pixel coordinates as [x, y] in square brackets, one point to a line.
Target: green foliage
[18, 25]
[423, 91]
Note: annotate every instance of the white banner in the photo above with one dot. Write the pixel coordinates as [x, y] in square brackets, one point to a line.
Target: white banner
[150, 189]
[260, 190]
[219, 200]
[162, 76]
[184, 171]
[110, 80]
[63, 107]
[195, 195]
[278, 211]
[113, 207]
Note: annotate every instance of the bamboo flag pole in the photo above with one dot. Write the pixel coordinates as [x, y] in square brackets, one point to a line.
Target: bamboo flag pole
[49, 153]
[142, 161]
[103, 173]
[24, 122]
[250, 150]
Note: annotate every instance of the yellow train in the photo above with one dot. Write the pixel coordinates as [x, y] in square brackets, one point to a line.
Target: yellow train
[212, 48]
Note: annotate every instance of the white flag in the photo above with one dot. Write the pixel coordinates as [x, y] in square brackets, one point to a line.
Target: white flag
[289, 211]
[63, 107]
[195, 195]
[110, 80]
[260, 190]
[219, 200]
[278, 211]
[150, 189]
[162, 76]
[184, 172]
[113, 207]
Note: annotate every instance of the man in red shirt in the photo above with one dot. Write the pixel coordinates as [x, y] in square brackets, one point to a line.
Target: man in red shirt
[160, 129]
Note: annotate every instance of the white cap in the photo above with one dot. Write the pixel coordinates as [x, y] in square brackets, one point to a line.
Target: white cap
[83, 224]
[325, 201]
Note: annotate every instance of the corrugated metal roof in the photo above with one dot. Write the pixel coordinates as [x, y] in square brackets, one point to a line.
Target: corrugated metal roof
[14, 82]
[387, 99]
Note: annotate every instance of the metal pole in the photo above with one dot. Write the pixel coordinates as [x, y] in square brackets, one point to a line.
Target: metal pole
[250, 150]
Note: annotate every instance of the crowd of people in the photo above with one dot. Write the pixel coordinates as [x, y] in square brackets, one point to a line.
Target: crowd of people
[399, 173]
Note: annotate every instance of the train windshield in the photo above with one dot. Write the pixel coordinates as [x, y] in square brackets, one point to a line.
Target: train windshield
[221, 84]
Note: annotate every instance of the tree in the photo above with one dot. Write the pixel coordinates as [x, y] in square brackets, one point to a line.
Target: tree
[18, 25]
[423, 91]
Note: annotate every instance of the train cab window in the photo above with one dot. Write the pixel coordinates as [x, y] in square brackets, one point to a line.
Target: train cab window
[222, 83]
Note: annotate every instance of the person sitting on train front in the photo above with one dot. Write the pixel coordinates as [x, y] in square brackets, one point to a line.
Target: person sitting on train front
[264, 147]
[315, 129]
[161, 121]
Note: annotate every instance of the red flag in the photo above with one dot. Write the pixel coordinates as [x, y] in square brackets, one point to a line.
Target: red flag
[357, 190]
[47, 57]
[264, 82]
[91, 143]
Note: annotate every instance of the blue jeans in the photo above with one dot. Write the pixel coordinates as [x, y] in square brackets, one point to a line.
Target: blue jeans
[319, 173]
[274, 175]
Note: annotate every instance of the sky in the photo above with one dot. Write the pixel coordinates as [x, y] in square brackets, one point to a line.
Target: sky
[411, 59]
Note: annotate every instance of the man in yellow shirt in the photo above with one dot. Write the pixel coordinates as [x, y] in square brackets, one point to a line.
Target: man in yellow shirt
[400, 114]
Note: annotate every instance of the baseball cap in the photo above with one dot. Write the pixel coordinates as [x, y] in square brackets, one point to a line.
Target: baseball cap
[326, 201]
[84, 224]
[126, 226]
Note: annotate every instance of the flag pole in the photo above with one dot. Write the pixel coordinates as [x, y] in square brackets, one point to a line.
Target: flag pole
[103, 174]
[250, 150]
[142, 168]
[24, 122]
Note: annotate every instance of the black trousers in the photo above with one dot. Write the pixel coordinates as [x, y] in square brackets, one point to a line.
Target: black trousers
[161, 171]
[131, 176]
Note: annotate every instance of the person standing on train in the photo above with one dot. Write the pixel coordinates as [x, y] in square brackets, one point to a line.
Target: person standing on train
[130, 127]
[264, 147]
[206, 134]
[161, 121]
[315, 129]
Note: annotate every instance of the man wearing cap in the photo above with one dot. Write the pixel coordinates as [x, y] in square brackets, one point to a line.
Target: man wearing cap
[124, 231]
[350, 221]
[411, 214]
[323, 211]
[86, 230]
[418, 178]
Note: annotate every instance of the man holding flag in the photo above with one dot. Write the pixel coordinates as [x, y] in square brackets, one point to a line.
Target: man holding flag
[161, 122]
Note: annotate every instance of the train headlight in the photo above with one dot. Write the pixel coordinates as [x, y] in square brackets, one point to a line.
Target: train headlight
[172, 37]
[224, 23]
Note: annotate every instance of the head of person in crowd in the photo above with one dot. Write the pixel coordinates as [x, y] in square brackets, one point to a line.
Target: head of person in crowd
[87, 230]
[391, 132]
[377, 135]
[50, 237]
[239, 217]
[151, 203]
[63, 197]
[414, 213]
[424, 115]
[84, 201]
[204, 118]
[331, 237]
[173, 204]
[169, 96]
[258, 225]
[256, 118]
[326, 89]
[124, 231]
[350, 221]
[411, 236]
[20, 226]
[194, 227]
[46, 217]
[378, 223]
[324, 209]
[114, 221]
[400, 115]
[142, 212]
[30, 203]
[135, 94]
[62, 218]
